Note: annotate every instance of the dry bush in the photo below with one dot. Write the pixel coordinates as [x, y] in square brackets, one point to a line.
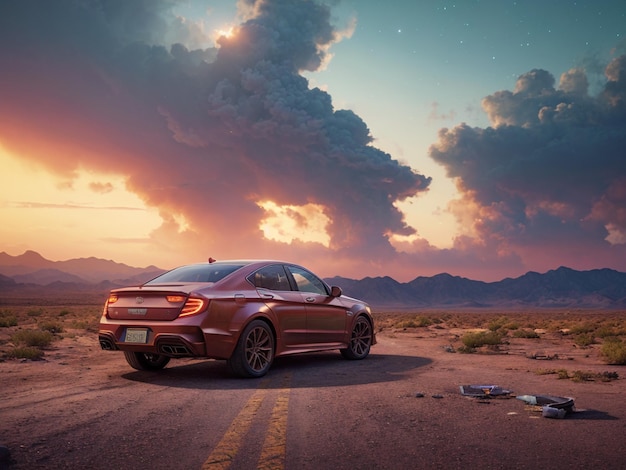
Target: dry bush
[7, 319]
[524, 333]
[584, 340]
[481, 338]
[502, 324]
[51, 326]
[25, 352]
[34, 338]
[35, 312]
[614, 351]
[420, 321]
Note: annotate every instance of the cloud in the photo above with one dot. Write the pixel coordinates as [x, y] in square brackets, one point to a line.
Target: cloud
[211, 135]
[50, 205]
[101, 188]
[546, 181]
[203, 134]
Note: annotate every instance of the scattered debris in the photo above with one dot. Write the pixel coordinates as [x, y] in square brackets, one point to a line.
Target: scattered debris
[550, 406]
[419, 395]
[542, 356]
[483, 391]
[437, 396]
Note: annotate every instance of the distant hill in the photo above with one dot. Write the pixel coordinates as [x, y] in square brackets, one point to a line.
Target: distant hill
[31, 267]
[30, 274]
[563, 288]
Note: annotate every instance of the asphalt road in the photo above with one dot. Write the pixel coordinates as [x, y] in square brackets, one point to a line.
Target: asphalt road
[84, 408]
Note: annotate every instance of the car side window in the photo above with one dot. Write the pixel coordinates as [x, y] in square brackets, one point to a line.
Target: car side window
[271, 277]
[307, 281]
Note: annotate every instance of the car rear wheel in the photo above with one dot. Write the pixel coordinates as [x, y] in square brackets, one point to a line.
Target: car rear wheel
[360, 340]
[254, 353]
[146, 361]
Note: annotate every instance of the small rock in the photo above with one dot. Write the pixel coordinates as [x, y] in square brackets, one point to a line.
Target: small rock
[437, 396]
[419, 395]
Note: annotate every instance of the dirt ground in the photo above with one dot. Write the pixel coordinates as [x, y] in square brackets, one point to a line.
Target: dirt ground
[74, 373]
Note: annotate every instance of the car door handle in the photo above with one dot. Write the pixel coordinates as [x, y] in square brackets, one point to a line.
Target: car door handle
[310, 299]
[265, 295]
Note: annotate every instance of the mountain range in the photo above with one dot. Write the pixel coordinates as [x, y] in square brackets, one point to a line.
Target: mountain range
[559, 288]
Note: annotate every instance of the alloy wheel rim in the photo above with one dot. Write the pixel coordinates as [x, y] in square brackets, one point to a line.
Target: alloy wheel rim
[361, 337]
[258, 349]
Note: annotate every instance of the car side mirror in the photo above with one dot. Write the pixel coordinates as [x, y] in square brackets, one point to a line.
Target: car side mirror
[335, 291]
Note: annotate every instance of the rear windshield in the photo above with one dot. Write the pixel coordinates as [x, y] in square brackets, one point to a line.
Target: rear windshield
[196, 273]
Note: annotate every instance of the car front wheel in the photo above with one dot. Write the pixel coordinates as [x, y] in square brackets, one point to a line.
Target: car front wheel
[146, 361]
[360, 340]
[254, 353]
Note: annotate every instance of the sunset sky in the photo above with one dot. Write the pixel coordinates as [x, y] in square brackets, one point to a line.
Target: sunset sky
[483, 138]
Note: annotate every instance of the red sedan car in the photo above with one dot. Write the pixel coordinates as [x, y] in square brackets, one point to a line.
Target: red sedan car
[246, 312]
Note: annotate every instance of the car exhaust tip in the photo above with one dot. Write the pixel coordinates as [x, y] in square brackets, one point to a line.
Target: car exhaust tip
[174, 350]
[107, 344]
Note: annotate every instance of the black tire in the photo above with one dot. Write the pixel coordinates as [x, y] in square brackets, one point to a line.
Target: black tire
[360, 340]
[146, 361]
[254, 353]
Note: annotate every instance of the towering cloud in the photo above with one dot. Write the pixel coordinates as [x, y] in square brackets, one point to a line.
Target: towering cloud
[220, 139]
[548, 179]
[205, 135]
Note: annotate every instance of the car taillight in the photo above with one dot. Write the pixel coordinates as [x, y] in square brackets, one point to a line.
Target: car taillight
[192, 306]
[110, 300]
[174, 299]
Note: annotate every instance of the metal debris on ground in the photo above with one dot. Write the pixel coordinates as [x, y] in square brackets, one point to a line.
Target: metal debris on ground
[550, 406]
[484, 391]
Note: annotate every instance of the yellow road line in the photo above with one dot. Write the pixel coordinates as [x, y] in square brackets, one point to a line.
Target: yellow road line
[226, 450]
[275, 445]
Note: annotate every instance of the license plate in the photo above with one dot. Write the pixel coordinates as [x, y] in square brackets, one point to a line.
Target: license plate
[136, 335]
[137, 311]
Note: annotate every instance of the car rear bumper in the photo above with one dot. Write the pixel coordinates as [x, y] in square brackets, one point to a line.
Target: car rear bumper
[172, 345]
[181, 341]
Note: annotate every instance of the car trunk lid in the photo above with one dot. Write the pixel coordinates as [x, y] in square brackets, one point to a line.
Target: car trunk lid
[145, 304]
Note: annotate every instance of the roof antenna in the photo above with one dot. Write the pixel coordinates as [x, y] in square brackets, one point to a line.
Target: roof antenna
[211, 260]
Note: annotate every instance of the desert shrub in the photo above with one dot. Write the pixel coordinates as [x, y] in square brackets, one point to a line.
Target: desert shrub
[554, 326]
[614, 351]
[579, 375]
[36, 338]
[607, 376]
[7, 319]
[91, 326]
[64, 312]
[562, 374]
[610, 329]
[481, 338]
[35, 312]
[584, 339]
[465, 350]
[524, 333]
[582, 376]
[502, 324]
[25, 352]
[497, 323]
[417, 322]
[582, 328]
[51, 326]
